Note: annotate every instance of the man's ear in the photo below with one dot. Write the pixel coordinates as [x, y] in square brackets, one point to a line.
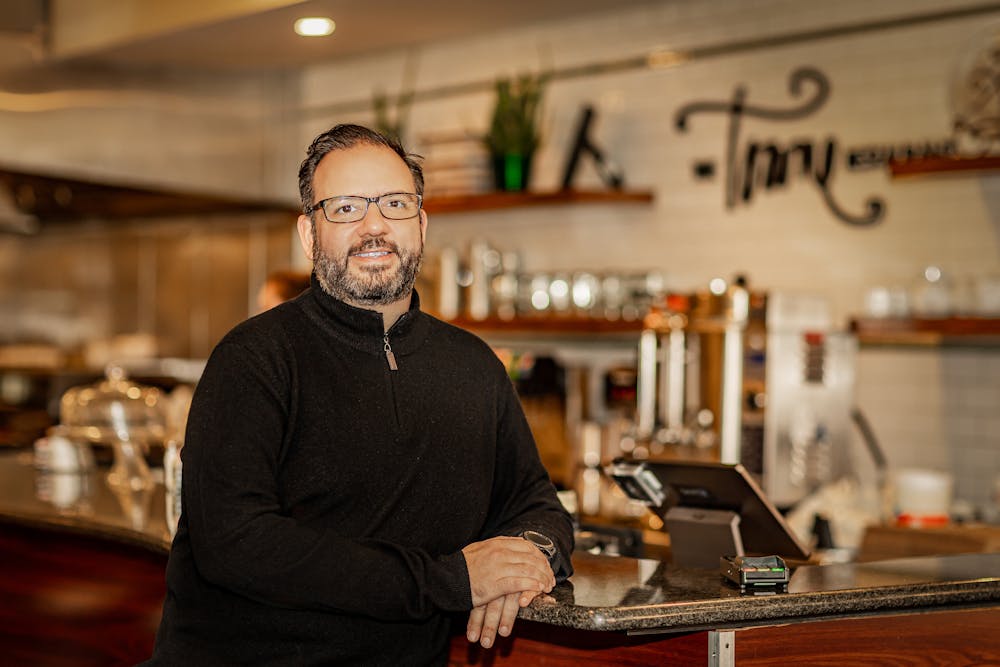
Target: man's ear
[306, 230]
[423, 226]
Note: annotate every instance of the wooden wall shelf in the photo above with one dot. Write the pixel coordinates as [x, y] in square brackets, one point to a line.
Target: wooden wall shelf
[59, 198]
[55, 198]
[573, 341]
[555, 325]
[491, 201]
[943, 165]
[921, 332]
[971, 331]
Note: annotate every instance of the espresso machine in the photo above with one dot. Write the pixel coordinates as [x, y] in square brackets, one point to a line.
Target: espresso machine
[742, 376]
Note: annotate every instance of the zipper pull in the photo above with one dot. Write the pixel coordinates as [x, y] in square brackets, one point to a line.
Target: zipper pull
[389, 356]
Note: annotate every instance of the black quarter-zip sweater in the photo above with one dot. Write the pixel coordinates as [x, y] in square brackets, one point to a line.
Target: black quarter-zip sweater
[327, 497]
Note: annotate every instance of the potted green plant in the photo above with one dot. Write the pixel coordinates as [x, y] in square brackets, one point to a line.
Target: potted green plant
[514, 133]
[391, 125]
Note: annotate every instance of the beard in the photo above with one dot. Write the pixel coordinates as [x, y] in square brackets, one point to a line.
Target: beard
[369, 286]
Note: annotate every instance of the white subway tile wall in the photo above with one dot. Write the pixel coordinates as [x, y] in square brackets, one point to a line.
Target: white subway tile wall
[934, 409]
[971, 381]
[930, 408]
[888, 87]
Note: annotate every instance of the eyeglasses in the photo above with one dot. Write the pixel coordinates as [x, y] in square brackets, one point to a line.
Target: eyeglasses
[392, 205]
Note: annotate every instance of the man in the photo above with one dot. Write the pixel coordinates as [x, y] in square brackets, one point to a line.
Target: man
[354, 469]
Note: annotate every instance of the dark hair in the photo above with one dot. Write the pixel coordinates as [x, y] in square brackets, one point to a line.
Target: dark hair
[341, 137]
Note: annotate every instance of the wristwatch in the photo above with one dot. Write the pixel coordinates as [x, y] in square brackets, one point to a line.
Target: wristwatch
[544, 544]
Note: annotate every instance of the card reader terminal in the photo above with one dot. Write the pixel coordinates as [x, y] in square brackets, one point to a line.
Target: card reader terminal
[756, 574]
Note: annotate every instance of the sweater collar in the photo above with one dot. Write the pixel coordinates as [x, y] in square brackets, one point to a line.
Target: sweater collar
[364, 329]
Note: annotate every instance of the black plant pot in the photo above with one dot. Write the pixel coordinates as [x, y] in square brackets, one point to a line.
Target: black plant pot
[511, 172]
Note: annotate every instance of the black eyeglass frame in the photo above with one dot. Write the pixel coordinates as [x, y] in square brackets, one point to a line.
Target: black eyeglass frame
[321, 205]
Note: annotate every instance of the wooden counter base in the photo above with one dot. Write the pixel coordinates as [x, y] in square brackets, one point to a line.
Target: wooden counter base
[69, 599]
[541, 644]
[931, 639]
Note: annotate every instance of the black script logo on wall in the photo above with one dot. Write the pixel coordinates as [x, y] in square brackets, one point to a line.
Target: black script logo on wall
[772, 164]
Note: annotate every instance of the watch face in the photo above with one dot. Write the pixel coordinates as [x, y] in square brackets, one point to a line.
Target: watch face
[540, 541]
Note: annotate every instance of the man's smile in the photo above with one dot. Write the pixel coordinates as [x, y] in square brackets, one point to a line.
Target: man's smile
[371, 253]
[373, 249]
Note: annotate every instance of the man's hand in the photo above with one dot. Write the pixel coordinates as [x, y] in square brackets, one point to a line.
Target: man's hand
[502, 566]
[496, 616]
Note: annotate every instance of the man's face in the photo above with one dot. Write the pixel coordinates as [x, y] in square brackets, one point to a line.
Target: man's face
[374, 261]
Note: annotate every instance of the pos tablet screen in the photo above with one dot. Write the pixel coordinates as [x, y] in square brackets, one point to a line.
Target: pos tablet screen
[717, 488]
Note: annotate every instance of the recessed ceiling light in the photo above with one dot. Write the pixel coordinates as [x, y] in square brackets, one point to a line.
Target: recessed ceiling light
[314, 26]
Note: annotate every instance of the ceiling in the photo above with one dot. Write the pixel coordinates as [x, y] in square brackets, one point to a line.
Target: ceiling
[52, 46]
[247, 35]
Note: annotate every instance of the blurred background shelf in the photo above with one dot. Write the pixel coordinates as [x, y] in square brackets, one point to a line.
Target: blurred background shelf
[929, 332]
[943, 165]
[61, 198]
[577, 341]
[491, 201]
[552, 325]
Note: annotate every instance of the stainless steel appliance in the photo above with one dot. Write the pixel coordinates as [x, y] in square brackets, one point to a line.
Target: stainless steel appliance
[760, 378]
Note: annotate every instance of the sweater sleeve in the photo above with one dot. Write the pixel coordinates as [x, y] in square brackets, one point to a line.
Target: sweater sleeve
[523, 497]
[242, 541]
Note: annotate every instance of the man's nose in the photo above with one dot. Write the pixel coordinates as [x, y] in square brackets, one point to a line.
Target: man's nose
[374, 223]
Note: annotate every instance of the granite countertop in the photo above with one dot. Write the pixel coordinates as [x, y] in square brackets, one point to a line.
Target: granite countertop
[605, 593]
[81, 502]
[628, 594]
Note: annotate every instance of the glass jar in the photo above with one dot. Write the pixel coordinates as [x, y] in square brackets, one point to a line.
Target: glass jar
[120, 413]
